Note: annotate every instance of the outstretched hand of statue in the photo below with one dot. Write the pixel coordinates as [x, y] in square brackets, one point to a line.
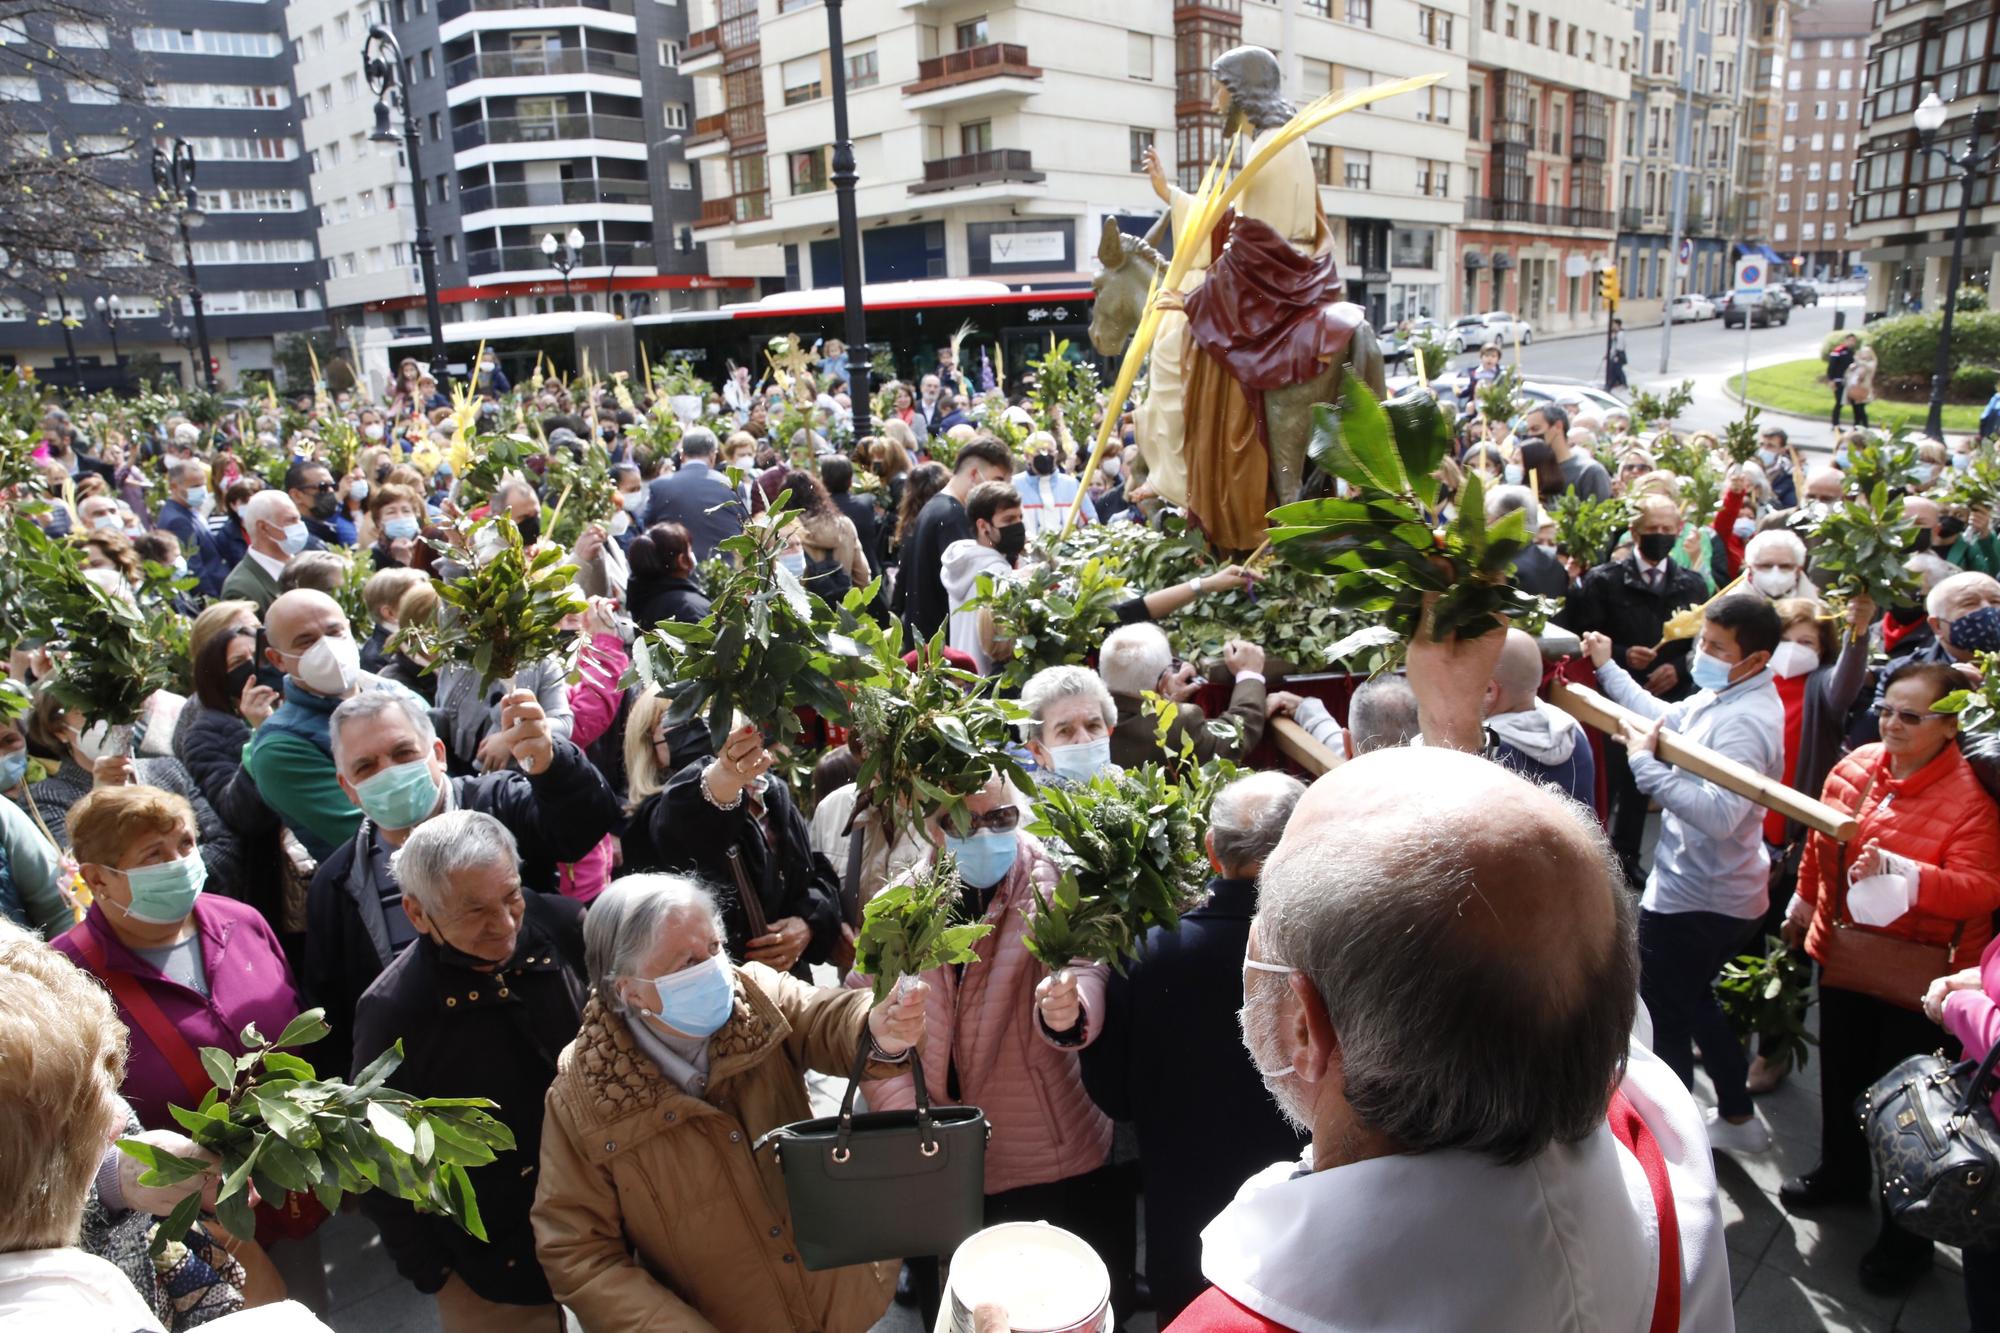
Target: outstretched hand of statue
[1156, 172]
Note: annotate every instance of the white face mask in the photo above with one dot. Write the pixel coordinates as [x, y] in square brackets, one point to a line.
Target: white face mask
[331, 667]
[633, 502]
[1792, 659]
[1260, 1037]
[1775, 582]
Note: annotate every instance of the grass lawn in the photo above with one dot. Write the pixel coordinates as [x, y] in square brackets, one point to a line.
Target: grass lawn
[1801, 387]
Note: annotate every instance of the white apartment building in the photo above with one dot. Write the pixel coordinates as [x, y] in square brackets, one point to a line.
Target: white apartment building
[993, 139]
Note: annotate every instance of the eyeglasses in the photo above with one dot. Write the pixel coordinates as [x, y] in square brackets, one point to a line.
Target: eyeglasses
[1003, 820]
[1883, 713]
[323, 487]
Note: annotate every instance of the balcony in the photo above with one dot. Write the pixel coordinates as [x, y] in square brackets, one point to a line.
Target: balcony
[541, 64]
[454, 9]
[709, 137]
[1480, 208]
[596, 259]
[997, 69]
[1513, 132]
[1631, 219]
[1586, 148]
[752, 207]
[995, 166]
[555, 194]
[701, 53]
[561, 128]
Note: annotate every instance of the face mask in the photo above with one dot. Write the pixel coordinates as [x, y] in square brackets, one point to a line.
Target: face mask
[90, 741]
[1927, 472]
[1792, 659]
[197, 497]
[1745, 528]
[1840, 459]
[401, 528]
[108, 523]
[984, 858]
[1977, 631]
[165, 894]
[633, 502]
[1775, 582]
[1548, 546]
[1260, 1033]
[373, 432]
[180, 567]
[1768, 457]
[530, 529]
[324, 504]
[1011, 540]
[1949, 527]
[1961, 462]
[331, 666]
[1113, 466]
[795, 561]
[238, 679]
[358, 491]
[1044, 465]
[1708, 673]
[295, 538]
[399, 797]
[1656, 546]
[13, 768]
[698, 1000]
[1080, 762]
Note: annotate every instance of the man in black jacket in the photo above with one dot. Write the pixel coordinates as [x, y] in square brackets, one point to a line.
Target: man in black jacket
[837, 475]
[1170, 1025]
[943, 522]
[483, 1002]
[391, 764]
[1630, 601]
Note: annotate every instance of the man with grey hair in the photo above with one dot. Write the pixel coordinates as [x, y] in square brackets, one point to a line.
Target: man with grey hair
[696, 496]
[1169, 1025]
[1774, 562]
[276, 533]
[181, 514]
[1070, 716]
[1381, 715]
[1446, 1004]
[483, 1002]
[390, 764]
[1137, 658]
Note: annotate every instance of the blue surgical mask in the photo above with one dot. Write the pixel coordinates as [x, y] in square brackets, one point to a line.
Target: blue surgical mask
[1840, 459]
[1080, 762]
[1745, 528]
[697, 1000]
[794, 561]
[1709, 673]
[1927, 472]
[295, 538]
[984, 858]
[401, 528]
[1768, 457]
[164, 894]
[13, 768]
[399, 797]
[1962, 462]
[197, 496]
[1513, 474]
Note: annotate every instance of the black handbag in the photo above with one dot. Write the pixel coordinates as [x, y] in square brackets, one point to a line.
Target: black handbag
[1929, 1124]
[883, 1184]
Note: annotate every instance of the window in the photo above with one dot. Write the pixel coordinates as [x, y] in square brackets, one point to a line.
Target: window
[83, 92]
[1845, 80]
[1812, 171]
[679, 176]
[1534, 28]
[1779, 231]
[670, 53]
[95, 36]
[864, 68]
[1784, 203]
[227, 96]
[1832, 230]
[1798, 50]
[1812, 201]
[1315, 78]
[1413, 247]
[254, 201]
[184, 41]
[430, 63]
[1833, 171]
[1846, 53]
[1138, 141]
[241, 150]
[1435, 106]
[1138, 55]
[1513, 20]
[1819, 143]
[1819, 111]
[436, 126]
[1359, 169]
[674, 115]
[318, 38]
[1361, 13]
[1788, 144]
[1784, 171]
[1434, 26]
[801, 79]
[342, 26]
[971, 33]
[1840, 110]
[808, 170]
[1793, 80]
[1791, 113]
[1809, 231]
[312, 161]
[1823, 79]
[350, 87]
[975, 137]
[326, 97]
[1487, 15]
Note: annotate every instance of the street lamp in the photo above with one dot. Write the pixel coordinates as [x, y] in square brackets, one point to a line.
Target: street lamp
[173, 176]
[1969, 161]
[69, 340]
[107, 311]
[845, 177]
[563, 258]
[388, 79]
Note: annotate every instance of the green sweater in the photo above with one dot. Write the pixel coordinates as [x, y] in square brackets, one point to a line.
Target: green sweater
[295, 778]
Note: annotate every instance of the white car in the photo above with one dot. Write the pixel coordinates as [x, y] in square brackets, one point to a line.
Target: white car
[1501, 328]
[1690, 308]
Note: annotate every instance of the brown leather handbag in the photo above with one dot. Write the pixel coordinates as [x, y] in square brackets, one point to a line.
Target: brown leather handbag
[1868, 961]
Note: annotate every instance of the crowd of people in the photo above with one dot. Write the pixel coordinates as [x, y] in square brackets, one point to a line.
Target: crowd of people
[638, 941]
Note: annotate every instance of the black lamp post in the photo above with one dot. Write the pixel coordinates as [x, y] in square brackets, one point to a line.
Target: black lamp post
[69, 339]
[107, 311]
[173, 174]
[382, 61]
[844, 179]
[564, 257]
[1970, 161]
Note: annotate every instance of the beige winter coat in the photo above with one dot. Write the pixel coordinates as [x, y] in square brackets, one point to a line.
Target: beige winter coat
[832, 535]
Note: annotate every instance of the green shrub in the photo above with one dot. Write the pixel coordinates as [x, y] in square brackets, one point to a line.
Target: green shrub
[1972, 383]
[1907, 345]
[1970, 297]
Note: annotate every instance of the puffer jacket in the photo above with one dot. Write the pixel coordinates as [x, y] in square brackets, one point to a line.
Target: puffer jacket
[830, 535]
[1045, 1127]
[1940, 818]
[653, 1213]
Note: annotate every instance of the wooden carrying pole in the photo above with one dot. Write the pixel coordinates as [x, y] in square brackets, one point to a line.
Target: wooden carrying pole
[1297, 744]
[1593, 709]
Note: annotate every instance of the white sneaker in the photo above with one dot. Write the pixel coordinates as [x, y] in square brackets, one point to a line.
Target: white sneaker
[1751, 1136]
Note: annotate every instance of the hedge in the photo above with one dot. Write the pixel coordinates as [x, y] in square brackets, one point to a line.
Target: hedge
[1907, 345]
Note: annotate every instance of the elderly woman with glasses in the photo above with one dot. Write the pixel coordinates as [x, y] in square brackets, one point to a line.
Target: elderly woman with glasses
[653, 1210]
[1924, 868]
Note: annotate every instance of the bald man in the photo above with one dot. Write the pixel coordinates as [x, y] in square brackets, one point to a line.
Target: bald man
[1445, 1002]
[1825, 486]
[291, 755]
[1541, 743]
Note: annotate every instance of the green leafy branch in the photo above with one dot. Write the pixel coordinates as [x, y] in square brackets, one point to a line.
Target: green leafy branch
[1051, 616]
[1767, 996]
[1653, 410]
[1585, 527]
[504, 610]
[1862, 546]
[916, 925]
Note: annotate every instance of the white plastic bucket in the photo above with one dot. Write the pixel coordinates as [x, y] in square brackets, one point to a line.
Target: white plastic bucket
[1048, 1280]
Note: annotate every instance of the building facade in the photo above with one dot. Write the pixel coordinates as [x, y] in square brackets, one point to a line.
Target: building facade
[218, 74]
[1826, 72]
[1903, 213]
[1763, 116]
[1547, 86]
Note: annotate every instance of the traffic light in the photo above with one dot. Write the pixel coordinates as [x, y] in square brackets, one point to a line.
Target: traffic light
[1607, 286]
[1798, 262]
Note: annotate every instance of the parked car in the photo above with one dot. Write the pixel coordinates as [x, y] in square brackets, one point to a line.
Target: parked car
[1556, 389]
[1468, 333]
[1507, 328]
[1397, 347]
[1802, 293]
[1775, 307]
[1690, 308]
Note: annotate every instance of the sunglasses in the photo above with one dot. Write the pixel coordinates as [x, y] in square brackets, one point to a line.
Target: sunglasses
[1003, 820]
[1883, 713]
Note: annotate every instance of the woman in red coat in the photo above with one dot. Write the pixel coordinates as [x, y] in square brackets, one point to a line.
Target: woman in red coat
[1929, 843]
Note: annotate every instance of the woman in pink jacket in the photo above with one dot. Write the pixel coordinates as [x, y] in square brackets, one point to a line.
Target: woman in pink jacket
[594, 702]
[1967, 1005]
[1003, 1034]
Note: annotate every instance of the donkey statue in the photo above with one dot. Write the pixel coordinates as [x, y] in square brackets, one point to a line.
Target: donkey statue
[1128, 265]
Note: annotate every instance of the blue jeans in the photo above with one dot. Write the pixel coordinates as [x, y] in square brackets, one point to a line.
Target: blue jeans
[1680, 954]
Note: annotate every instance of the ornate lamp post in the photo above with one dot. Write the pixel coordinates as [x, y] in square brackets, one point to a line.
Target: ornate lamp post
[173, 174]
[1969, 162]
[564, 257]
[382, 62]
[107, 311]
[844, 179]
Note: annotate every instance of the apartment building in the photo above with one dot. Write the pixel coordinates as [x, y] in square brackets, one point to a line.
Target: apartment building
[993, 139]
[1903, 209]
[1826, 72]
[1682, 122]
[1548, 80]
[1763, 116]
[218, 74]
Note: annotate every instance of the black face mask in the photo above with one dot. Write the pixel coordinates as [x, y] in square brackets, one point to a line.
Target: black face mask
[1923, 542]
[1656, 546]
[1011, 540]
[1949, 527]
[530, 528]
[1043, 464]
[238, 678]
[324, 504]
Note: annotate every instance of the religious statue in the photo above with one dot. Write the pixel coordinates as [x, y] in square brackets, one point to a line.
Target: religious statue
[1254, 337]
